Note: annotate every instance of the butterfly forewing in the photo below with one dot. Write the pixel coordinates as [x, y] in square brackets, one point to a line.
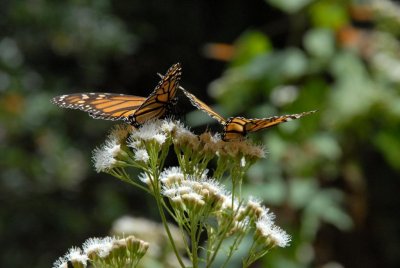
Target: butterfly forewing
[158, 103]
[101, 105]
[203, 107]
[254, 125]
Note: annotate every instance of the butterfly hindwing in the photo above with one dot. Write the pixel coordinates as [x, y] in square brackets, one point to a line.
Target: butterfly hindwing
[106, 106]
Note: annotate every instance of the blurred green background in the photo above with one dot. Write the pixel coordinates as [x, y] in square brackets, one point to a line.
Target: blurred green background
[331, 178]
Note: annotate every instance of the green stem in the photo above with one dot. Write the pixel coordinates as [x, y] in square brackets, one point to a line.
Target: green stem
[210, 238]
[164, 221]
[220, 240]
[182, 229]
[194, 244]
[249, 260]
[222, 235]
[170, 212]
[125, 177]
[232, 249]
[157, 195]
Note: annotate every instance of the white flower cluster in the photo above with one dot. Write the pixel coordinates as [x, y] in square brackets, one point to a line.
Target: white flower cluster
[155, 134]
[149, 131]
[99, 246]
[191, 190]
[100, 250]
[171, 176]
[152, 134]
[197, 202]
[74, 255]
[193, 196]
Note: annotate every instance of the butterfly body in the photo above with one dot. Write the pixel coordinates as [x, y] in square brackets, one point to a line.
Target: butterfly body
[135, 110]
[234, 129]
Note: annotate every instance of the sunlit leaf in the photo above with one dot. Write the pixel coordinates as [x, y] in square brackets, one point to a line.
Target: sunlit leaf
[329, 13]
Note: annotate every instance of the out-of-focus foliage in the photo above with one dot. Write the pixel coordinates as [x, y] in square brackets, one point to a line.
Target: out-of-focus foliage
[42, 167]
[333, 177]
[321, 168]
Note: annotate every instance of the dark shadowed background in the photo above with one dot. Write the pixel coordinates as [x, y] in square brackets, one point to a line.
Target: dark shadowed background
[331, 178]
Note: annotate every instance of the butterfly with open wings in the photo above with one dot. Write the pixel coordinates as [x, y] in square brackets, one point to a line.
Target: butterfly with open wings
[236, 128]
[135, 110]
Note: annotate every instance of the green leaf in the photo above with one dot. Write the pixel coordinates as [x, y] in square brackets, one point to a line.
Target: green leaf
[249, 45]
[329, 14]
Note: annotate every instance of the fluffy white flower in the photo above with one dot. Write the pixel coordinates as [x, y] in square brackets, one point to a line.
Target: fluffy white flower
[264, 222]
[213, 186]
[101, 246]
[172, 175]
[160, 138]
[193, 199]
[147, 131]
[192, 196]
[280, 237]
[255, 209]
[268, 229]
[169, 125]
[141, 155]
[60, 263]
[134, 144]
[170, 192]
[75, 255]
[227, 203]
[104, 157]
[145, 178]
[184, 190]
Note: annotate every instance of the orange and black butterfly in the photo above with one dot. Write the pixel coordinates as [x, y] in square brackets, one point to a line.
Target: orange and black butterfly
[236, 128]
[131, 109]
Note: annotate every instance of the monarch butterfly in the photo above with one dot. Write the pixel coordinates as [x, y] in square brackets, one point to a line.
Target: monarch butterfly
[236, 128]
[131, 109]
